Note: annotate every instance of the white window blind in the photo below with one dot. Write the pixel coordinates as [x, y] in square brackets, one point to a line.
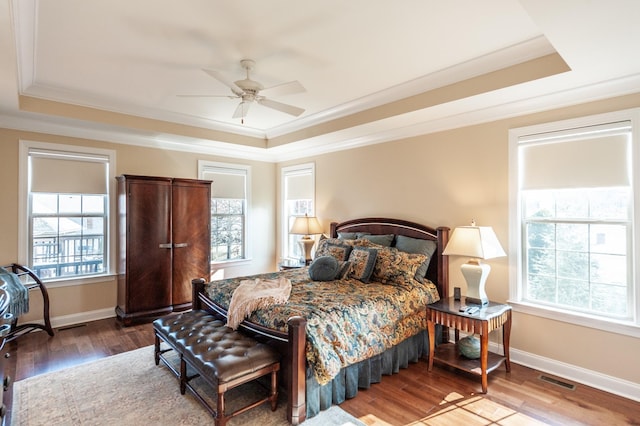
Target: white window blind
[597, 156]
[69, 173]
[227, 183]
[299, 185]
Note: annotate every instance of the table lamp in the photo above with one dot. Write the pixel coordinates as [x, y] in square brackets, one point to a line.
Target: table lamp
[306, 226]
[476, 242]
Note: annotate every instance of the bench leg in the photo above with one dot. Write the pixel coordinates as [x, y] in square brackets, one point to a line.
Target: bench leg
[183, 376]
[221, 419]
[156, 353]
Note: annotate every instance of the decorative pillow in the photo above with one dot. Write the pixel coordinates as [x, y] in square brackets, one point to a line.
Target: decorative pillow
[323, 268]
[396, 267]
[333, 247]
[383, 240]
[366, 243]
[363, 260]
[415, 245]
[343, 269]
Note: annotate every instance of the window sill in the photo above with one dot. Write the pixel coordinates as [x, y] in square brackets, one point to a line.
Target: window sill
[230, 263]
[625, 328]
[76, 281]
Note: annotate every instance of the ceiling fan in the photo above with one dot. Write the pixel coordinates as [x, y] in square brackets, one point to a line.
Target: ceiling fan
[250, 91]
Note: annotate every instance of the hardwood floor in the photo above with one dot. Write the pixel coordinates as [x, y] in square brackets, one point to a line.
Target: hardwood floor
[412, 397]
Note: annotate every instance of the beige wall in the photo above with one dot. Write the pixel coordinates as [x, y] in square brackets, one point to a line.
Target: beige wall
[69, 303]
[447, 179]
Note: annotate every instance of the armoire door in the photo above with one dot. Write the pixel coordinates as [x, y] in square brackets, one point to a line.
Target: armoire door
[191, 218]
[149, 245]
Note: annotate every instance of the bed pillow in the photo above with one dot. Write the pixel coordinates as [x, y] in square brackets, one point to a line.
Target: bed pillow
[333, 247]
[323, 268]
[363, 261]
[347, 235]
[396, 267]
[416, 245]
[382, 240]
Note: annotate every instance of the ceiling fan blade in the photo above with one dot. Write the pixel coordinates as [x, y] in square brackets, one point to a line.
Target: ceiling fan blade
[222, 79]
[289, 109]
[289, 88]
[241, 110]
[208, 96]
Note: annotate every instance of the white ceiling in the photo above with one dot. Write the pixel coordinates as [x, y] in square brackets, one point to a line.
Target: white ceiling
[134, 58]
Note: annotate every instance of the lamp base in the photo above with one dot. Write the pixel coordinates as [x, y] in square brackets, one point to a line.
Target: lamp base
[476, 273]
[306, 244]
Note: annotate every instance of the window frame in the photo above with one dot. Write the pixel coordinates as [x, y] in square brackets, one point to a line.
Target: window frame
[285, 173]
[205, 166]
[24, 200]
[516, 231]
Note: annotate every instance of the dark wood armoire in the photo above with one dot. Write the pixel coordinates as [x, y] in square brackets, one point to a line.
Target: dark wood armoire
[164, 241]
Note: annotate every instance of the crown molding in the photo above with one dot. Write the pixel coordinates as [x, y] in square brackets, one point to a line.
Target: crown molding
[440, 118]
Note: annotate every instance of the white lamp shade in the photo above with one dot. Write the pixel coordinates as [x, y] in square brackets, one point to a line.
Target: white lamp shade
[474, 241]
[306, 225]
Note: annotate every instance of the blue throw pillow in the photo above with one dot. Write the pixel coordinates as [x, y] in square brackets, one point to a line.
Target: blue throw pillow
[323, 268]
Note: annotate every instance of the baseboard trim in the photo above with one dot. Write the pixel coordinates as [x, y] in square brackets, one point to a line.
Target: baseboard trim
[79, 318]
[611, 384]
[604, 382]
[75, 319]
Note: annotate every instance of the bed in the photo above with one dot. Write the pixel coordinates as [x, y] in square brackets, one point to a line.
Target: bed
[343, 334]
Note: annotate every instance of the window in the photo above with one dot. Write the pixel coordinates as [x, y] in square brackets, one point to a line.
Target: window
[229, 195]
[573, 221]
[67, 209]
[298, 189]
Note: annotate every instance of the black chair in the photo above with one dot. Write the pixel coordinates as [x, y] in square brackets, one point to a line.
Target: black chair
[30, 281]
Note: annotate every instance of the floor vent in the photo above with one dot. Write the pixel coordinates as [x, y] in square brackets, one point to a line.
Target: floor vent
[557, 382]
[69, 327]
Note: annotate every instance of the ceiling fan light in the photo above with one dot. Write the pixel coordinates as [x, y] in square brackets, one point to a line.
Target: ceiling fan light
[248, 91]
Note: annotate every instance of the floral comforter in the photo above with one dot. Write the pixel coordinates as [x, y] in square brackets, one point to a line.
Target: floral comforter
[347, 321]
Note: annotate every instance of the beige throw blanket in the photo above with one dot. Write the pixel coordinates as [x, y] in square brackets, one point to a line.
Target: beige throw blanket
[256, 294]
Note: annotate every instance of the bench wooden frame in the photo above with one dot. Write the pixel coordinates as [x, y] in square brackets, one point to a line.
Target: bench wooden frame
[219, 412]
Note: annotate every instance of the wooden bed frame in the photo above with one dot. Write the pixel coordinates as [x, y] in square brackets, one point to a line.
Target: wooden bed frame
[292, 344]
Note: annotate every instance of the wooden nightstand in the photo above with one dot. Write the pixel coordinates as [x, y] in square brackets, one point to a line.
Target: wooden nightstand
[490, 317]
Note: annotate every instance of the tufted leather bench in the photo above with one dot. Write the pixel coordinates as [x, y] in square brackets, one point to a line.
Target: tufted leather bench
[224, 358]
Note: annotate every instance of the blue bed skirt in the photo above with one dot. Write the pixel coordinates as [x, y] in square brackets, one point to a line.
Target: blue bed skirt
[361, 375]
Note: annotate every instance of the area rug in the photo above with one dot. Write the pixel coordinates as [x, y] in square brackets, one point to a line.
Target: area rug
[129, 389]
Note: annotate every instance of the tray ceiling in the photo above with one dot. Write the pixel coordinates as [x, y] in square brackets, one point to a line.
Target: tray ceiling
[373, 71]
